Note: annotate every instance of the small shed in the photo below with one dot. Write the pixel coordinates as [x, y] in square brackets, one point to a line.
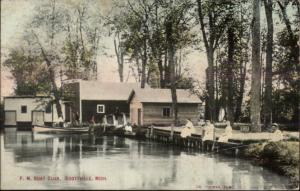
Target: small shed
[30, 110]
[154, 106]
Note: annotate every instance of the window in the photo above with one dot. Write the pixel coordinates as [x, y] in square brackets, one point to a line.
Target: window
[23, 109]
[166, 112]
[100, 109]
[48, 108]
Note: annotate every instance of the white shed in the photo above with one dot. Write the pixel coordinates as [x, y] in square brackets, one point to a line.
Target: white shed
[30, 110]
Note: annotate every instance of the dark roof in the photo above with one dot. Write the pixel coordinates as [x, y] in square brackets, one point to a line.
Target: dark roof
[151, 95]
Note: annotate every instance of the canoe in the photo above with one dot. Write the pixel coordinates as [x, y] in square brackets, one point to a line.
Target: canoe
[62, 130]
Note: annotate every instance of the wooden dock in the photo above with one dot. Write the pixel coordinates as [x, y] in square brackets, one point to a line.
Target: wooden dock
[238, 141]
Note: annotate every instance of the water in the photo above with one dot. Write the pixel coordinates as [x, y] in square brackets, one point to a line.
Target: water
[43, 161]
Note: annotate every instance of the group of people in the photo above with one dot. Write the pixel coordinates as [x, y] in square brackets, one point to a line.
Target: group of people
[208, 132]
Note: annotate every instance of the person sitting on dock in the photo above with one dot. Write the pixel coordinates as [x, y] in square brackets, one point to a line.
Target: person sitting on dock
[227, 134]
[92, 124]
[277, 135]
[188, 129]
[76, 117]
[208, 133]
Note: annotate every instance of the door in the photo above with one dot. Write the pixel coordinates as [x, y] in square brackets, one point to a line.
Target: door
[139, 116]
[68, 113]
[10, 118]
[38, 118]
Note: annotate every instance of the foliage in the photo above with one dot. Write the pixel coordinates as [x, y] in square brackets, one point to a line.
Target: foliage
[281, 156]
[30, 74]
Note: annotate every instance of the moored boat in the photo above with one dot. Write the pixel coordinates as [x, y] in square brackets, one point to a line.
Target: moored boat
[61, 130]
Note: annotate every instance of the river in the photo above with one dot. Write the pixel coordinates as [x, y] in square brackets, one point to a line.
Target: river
[52, 161]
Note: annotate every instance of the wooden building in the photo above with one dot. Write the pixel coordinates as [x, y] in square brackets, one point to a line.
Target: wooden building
[30, 110]
[95, 98]
[154, 106]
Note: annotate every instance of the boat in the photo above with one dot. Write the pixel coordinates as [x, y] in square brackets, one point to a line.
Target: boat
[129, 134]
[45, 129]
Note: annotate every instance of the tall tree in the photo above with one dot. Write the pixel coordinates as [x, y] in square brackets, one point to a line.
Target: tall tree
[83, 33]
[255, 96]
[50, 22]
[268, 4]
[211, 34]
[119, 50]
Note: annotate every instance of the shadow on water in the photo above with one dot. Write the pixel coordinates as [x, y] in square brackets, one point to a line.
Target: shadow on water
[122, 163]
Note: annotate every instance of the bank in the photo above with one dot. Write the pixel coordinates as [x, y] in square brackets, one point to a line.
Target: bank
[281, 157]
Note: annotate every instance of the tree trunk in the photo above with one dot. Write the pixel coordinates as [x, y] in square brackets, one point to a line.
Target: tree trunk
[239, 101]
[229, 73]
[210, 99]
[144, 62]
[120, 59]
[255, 100]
[210, 109]
[52, 79]
[171, 54]
[161, 73]
[269, 59]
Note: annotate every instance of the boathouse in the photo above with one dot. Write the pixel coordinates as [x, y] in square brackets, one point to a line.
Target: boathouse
[95, 98]
[154, 106]
[30, 110]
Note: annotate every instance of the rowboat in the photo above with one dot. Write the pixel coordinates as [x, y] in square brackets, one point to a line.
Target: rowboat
[61, 130]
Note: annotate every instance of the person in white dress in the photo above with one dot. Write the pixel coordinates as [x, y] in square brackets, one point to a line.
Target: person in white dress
[277, 135]
[188, 129]
[227, 134]
[128, 127]
[208, 133]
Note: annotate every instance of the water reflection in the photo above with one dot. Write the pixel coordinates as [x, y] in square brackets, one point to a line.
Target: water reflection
[125, 163]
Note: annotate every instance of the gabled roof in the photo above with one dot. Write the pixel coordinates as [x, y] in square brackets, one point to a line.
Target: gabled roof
[150, 95]
[106, 91]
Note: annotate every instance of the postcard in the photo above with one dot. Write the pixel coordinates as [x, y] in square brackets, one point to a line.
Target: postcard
[149, 95]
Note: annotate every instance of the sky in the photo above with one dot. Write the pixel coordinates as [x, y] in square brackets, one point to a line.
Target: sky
[16, 13]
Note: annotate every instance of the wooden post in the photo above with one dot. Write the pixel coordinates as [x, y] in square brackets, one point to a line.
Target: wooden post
[172, 132]
[151, 132]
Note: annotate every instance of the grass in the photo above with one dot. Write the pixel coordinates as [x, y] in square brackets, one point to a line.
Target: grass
[282, 156]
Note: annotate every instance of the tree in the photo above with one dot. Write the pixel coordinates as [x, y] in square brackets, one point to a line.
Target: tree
[211, 34]
[81, 45]
[120, 56]
[255, 102]
[176, 23]
[30, 75]
[269, 59]
[286, 61]
[48, 22]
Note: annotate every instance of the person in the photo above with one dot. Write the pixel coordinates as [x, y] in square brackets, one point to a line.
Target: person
[128, 127]
[92, 120]
[76, 118]
[221, 114]
[227, 134]
[92, 123]
[208, 133]
[188, 129]
[277, 135]
[60, 122]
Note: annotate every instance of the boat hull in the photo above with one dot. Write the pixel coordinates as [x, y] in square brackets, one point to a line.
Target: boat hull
[60, 130]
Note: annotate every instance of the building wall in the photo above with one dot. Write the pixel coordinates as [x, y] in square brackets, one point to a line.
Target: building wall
[89, 108]
[33, 104]
[134, 106]
[152, 113]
